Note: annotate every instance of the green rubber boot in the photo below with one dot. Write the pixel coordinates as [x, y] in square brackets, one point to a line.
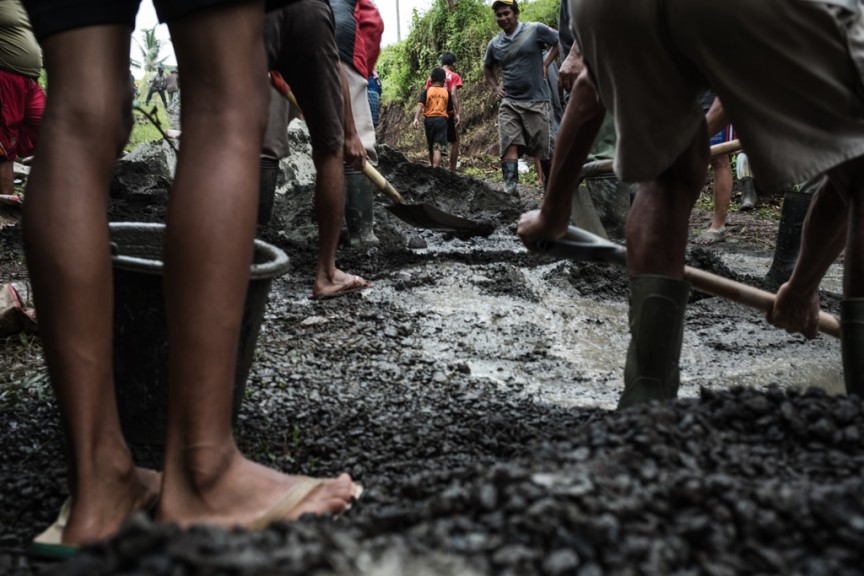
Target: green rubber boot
[657, 306]
[359, 210]
[267, 189]
[510, 172]
[852, 344]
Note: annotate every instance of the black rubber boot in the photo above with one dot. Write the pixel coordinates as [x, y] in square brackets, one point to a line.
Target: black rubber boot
[267, 189]
[852, 344]
[749, 196]
[657, 306]
[510, 172]
[795, 205]
[359, 210]
[545, 167]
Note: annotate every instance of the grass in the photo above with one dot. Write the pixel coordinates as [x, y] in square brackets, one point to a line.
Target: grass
[143, 129]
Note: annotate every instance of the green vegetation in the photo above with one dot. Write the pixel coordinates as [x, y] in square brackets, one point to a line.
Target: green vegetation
[143, 129]
[150, 47]
[464, 29]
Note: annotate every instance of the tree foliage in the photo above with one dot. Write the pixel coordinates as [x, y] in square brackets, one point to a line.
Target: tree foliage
[150, 47]
[463, 27]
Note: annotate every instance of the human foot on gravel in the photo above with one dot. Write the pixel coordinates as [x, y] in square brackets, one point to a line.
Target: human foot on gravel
[234, 491]
[338, 285]
[711, 236]
[99, 515]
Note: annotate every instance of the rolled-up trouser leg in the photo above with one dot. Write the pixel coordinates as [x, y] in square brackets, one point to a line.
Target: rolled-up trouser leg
[359, 209]
[852, 344]
[657, 305]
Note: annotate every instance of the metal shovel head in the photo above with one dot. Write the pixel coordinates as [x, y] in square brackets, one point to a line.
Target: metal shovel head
[582, 251]
[432, 218]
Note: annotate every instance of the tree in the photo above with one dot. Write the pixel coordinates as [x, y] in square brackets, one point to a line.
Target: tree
[150, 47]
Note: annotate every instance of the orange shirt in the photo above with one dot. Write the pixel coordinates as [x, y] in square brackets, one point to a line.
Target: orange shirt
[435, 101]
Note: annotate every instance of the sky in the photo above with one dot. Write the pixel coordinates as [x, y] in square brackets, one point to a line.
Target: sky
[393, 28]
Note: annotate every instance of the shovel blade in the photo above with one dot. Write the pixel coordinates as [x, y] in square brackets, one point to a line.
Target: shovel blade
[432, 218]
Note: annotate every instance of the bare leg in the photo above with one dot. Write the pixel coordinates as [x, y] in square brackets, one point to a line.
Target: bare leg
[454, 154]
[66, 238]
[211, 225]
[329, 202]
[658, 221]
[436, 158]
[722, 168]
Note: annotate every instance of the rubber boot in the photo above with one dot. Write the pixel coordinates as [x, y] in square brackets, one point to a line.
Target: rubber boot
[359, 210]
[657, 306]
[267, 189]
[795, 205]
[510, 172]
[545, 167]
[749, 196]
[852, 344]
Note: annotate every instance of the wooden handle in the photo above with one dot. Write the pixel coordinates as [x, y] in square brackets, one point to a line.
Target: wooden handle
[381, 183]
[749, 296]
[598, 167]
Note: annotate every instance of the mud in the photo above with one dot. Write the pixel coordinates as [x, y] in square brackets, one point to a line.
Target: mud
[472, 392]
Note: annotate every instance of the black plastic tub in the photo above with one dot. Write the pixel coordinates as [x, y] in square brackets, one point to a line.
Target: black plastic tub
[140, 331]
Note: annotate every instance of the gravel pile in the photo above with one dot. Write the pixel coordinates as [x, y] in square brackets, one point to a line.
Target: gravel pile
[466, 479]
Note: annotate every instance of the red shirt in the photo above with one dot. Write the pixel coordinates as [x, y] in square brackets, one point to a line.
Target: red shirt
[452, 81]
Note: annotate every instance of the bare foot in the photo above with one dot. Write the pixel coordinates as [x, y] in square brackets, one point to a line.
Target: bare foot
[711, 236]
[338, 284]
[100, 516]
[242, 493]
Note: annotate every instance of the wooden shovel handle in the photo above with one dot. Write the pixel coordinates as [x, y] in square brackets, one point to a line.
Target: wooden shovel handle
[282, 87]
[749, 296]
[598, 167]
[378, 179]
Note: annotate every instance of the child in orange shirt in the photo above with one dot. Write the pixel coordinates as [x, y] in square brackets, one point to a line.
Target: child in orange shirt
[436, 105]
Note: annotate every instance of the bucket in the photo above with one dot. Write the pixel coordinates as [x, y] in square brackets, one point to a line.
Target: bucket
[140, 330]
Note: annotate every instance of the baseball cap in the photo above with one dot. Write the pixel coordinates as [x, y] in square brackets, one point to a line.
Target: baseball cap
[511, 3]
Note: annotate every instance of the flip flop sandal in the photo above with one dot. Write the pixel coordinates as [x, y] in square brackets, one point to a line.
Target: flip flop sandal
[49, 544]
[292, 499]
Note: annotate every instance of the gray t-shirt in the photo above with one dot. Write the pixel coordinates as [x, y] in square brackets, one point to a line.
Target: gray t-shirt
[521, 60]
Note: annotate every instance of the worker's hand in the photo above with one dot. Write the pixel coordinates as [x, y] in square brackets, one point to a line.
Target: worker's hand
[534, 225]
[570, 70]
[796, 312]
[354, 152]
[499, 91]
[416, 123]
[457, 120]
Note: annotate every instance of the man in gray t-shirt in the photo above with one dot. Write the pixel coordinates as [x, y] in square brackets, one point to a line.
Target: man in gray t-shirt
[524, 113]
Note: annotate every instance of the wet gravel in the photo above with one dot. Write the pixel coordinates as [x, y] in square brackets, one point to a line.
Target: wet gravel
[443, 411]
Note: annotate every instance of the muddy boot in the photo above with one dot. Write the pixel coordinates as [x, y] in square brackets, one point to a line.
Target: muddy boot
[795, 205]
[510, 172]
[359, 210]
[656, 328]
[749, 196]
[852, 344]
[267, 189]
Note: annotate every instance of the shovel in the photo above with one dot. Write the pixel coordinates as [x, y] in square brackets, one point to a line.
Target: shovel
[417, 215]
[578, 244]
[585, 214]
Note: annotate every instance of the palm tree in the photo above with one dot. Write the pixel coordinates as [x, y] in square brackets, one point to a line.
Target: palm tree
[150, 48]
